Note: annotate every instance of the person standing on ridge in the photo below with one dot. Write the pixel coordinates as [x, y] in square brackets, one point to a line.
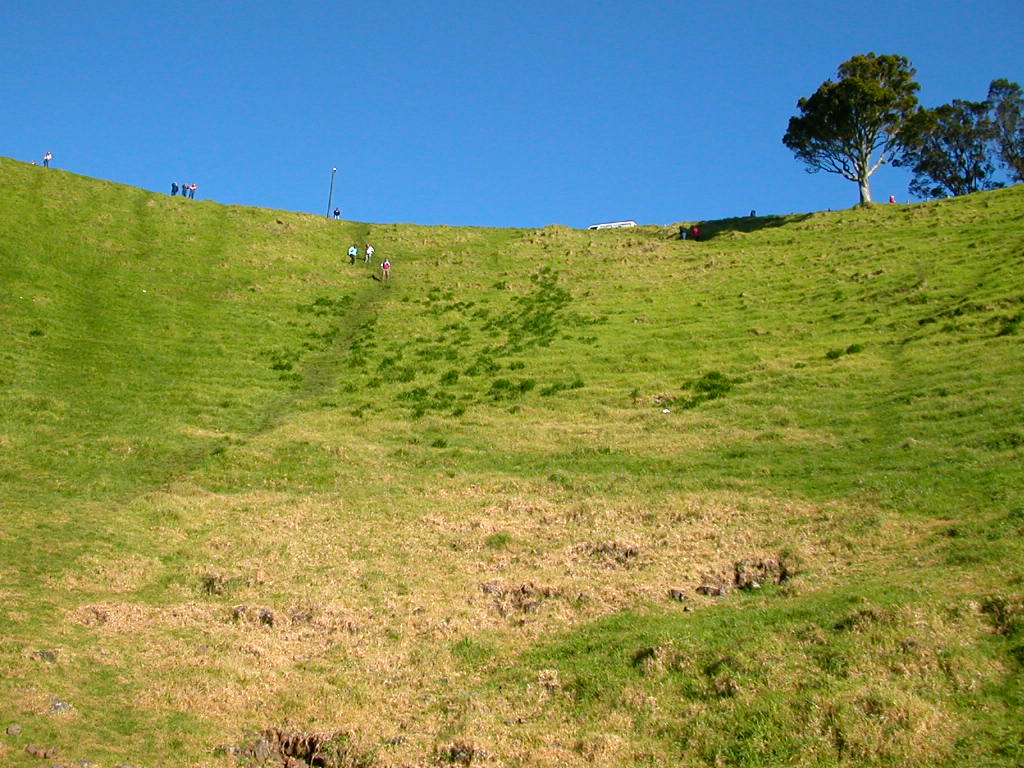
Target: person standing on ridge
[696, 232]
[174, 188]
[369, 253]
[47, 158]
[337, 213]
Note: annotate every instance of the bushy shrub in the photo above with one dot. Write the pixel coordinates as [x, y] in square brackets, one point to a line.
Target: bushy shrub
[1011, 325]
[499, 540]
[710, 386]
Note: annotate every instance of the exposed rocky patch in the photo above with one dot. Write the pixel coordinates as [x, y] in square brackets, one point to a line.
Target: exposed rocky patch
[713, 589]
[292, 748]
[614, 553]
[750, 575]
[255, 614]
[53, 754]
[753, 574]
[215, 583]
[521, 598]
[58, 707]
[459, 753]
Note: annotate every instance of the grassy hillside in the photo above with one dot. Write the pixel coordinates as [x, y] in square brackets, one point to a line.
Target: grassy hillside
[546, 498]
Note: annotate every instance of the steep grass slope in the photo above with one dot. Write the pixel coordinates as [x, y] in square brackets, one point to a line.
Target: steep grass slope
[545, 498]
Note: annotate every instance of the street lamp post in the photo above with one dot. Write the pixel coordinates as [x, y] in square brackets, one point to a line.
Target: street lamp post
[330, 195]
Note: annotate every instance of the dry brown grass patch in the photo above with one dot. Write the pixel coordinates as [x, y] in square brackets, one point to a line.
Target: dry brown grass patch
[119, 575]
[32, 700]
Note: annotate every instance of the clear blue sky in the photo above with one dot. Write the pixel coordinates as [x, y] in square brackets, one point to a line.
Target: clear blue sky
[471, 111]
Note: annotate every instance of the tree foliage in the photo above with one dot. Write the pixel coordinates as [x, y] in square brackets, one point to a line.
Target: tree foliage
[854, 125]
[1006, 103]
[954, 149]
[947, 149]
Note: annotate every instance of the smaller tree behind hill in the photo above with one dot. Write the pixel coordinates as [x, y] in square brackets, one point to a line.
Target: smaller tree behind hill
[853, 126]
[947, 148]
[1007, 109]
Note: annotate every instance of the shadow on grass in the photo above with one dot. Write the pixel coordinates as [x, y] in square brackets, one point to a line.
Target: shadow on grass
[746, 224]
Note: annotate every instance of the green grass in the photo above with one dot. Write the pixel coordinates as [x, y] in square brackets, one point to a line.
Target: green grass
[246, 485]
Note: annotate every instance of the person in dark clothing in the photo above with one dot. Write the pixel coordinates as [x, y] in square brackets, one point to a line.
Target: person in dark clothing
[174, 188]
[337, 213]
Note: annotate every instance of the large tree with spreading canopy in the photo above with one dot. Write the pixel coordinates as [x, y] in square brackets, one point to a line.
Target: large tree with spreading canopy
[1006, 101]
[948, 150]
[852, 126]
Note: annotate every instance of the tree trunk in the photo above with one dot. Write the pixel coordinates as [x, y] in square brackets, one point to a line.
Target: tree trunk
[865, 190]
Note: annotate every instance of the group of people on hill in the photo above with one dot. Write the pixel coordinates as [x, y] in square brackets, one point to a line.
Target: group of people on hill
[693, 233]
[46, 160]
[187, 190]
[385, 265]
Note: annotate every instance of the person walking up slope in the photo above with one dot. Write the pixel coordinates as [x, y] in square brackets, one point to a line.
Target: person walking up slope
[369, 253]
